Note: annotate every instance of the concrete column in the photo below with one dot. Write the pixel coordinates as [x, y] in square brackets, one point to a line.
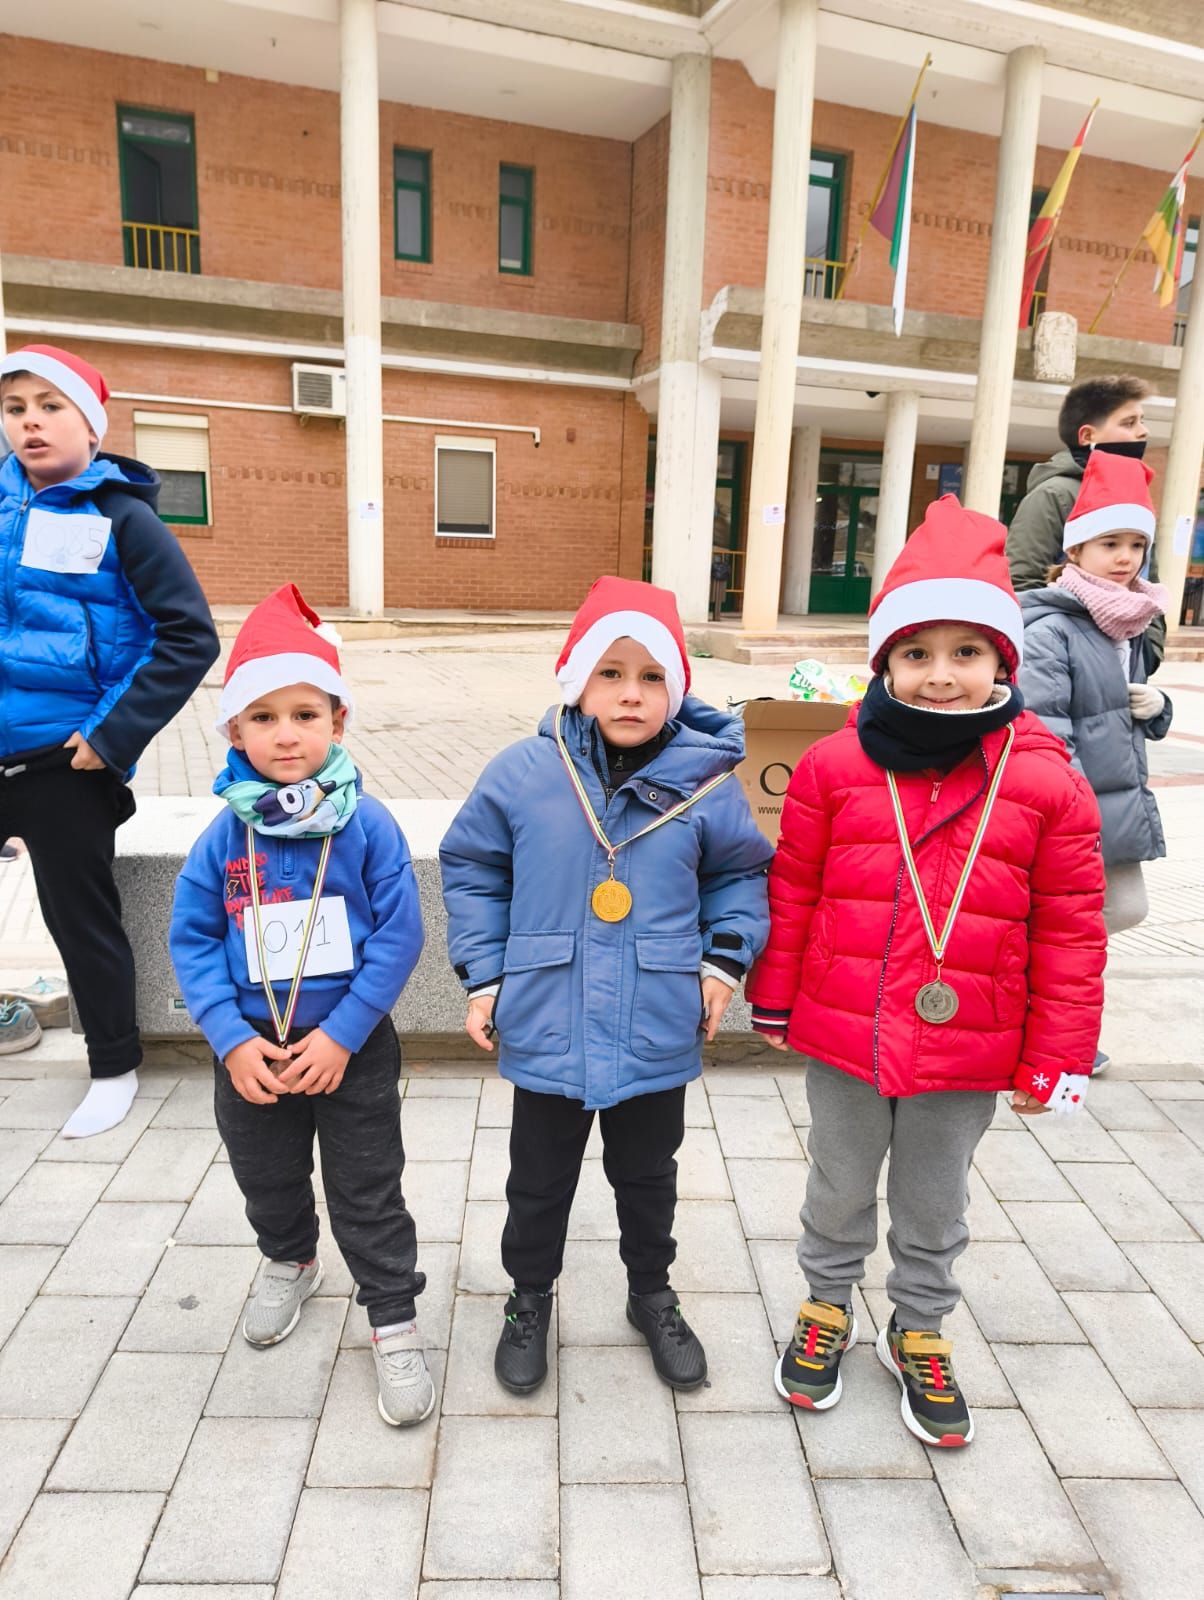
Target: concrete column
[683, 511]
[793, 102]
[800, 520]
[1181, 481]
[894, 495]
[359, 129]
[1005, 276]
[3, 343]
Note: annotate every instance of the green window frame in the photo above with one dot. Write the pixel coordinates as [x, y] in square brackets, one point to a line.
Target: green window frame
[828, 172]
[516, 199]
[178, 518]
[149, 248]
[416, 167]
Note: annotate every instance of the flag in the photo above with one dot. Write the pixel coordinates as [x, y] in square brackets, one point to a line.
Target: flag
[1045, 223]
[892, 215]
[1164, 232]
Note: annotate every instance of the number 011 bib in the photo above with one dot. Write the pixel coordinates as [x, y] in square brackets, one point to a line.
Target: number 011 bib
[283, 927]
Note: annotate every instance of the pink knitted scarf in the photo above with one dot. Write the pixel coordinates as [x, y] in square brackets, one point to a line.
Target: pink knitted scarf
[1121, 611]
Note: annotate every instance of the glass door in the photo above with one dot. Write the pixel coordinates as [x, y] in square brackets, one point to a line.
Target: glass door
[846, 527]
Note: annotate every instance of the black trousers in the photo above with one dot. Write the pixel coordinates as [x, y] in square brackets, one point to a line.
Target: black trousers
[68, 819]
[547, 1143]
[358, 1128]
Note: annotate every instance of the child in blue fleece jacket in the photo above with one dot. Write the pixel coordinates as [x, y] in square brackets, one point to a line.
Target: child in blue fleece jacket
[295, 926]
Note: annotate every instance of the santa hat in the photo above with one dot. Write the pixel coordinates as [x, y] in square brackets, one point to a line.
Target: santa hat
[1114, 498]
[74, 377]
[621, 608]
[283, 641]
[952, 569]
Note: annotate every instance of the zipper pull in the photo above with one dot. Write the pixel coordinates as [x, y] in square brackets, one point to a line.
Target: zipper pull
[936, 791]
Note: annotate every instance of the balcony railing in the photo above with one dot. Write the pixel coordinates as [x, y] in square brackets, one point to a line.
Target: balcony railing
[735, 560]
[821, 278]
[1179, 331]
[162, 249]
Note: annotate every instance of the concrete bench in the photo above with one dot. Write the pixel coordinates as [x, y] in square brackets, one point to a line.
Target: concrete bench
[151, 848]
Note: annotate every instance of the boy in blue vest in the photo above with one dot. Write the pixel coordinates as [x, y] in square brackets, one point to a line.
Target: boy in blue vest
[104, 635]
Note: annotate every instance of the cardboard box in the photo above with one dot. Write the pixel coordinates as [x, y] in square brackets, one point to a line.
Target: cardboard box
[776, 732]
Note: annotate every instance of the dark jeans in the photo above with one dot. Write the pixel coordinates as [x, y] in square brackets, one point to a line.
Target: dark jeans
[547, 1142]
[68, 820]
[271, 1151]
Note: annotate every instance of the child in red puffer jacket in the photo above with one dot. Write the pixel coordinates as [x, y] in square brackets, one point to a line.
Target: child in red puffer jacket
[937, 936]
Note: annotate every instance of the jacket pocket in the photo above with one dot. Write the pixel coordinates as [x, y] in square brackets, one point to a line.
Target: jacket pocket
[533, 1012]
[1010, 988]
[666, 1010]
[821, 949]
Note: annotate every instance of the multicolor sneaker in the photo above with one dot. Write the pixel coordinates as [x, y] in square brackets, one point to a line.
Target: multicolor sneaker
[47, 998]
[809, 1372]
[932, 1405]
[275, 1305]
[19, 1028]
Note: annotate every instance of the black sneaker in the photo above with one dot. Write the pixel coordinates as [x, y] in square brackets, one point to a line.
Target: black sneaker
[809, 1372]
[932, 1405]
[520, 1362]
[677, 1354]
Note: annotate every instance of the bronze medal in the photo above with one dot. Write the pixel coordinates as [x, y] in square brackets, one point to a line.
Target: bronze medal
[937, 1002]
[611, 900]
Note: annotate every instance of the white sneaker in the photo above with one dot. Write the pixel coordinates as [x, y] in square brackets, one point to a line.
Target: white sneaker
[280, 1290]
[407, 1394]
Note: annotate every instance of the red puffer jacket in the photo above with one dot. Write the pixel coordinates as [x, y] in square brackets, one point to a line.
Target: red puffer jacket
[847, 950]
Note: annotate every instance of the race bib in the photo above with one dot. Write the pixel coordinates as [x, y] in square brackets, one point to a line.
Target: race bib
[65, 541]
[283, 926]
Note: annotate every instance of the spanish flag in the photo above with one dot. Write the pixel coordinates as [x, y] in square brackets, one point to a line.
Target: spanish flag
[1164, 231]
[1045, 223]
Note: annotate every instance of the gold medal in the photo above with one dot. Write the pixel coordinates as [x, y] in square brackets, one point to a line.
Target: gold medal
[937, 1002]
[611, 900]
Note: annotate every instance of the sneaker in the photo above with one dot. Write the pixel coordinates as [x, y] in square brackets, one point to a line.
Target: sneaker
[520, 1362]
[47, 998]
[809, 1372]
[280, 1290]
[677, 1354]
[932, 1404]
[19, 1028]
[407, 1394]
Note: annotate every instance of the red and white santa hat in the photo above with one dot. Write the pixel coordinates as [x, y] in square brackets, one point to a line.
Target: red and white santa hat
[1114, 498]
[73, 376]
[283, 641]
[952, 569]
[621, 608]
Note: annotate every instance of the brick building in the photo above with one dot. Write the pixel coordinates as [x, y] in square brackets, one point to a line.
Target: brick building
[542, 229]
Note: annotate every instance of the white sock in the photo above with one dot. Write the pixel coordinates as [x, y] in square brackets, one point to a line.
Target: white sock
[103, 1107]
[396, 1327]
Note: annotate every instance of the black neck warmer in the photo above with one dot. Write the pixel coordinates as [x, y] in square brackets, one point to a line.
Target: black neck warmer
[1134, 449]
[905, 738]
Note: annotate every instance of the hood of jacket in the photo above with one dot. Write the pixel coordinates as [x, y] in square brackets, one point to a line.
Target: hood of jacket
[140, 481]
[1060, 465]
[1048, 602]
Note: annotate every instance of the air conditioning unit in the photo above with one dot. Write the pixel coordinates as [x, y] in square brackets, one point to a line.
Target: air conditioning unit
[319, 391]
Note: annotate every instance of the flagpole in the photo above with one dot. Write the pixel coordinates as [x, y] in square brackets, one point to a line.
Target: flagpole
[899, 131]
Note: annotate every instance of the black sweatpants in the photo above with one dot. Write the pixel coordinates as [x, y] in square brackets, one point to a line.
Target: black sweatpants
[547, 1143]
[271, 1151]
[68, 820]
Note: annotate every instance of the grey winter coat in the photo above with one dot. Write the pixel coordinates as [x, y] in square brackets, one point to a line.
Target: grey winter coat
[1072, 678]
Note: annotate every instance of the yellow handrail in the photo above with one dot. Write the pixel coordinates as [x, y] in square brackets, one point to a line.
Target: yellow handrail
[151, 244]
[821, 277]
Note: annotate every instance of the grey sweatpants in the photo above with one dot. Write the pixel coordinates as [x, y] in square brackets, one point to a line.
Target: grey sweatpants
[931, 1139]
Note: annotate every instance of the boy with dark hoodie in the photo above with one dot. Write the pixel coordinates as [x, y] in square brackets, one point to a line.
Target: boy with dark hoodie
[104, 635]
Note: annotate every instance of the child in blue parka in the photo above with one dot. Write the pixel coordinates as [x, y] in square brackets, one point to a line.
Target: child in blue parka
[606, 891]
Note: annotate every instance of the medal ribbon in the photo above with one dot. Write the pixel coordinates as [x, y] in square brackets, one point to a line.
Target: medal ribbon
[283, 1021]
[612, 850]
[939, 945]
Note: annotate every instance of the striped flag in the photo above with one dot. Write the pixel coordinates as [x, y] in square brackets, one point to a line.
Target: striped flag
[891, 217]
[1045, 223]
[1164, 231]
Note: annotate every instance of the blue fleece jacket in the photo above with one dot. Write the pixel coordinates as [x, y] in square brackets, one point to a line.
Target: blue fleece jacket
[369, 867]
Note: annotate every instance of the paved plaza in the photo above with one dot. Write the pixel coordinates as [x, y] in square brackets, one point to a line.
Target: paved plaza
[146, 1450]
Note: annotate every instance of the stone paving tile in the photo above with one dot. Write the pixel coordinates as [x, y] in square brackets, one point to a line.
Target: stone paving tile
[1173, 1164]
[617, 1422]
[1117, 1104]
[1126, 1203]
[1072, 1249]
[56, 1552]
[1120, 1325]
[1084, 1422]
[792, 1086]
[698, 1107]
[136, 1428]
[435, 1192]
[190, 1105]
[1188, 1117]
[228, 1519]
[880, 1530]
[505, 1469]
[1016, 1168]
[754, 1127]
[978, 1372]
[653, 1557]
[1194, 1213]
[1120, 1516]
[1005, 1119]
[354, 1542]
[115, 1251]
[194, 1300]
[439, 1263]
[1077, 1138]
[481, 1270]
[770, 1589]
[863, 1436]
[591, 1295]
[438, 1129]
[741, 1354]
[355, 1448]
[1036, 1528]
[497, 1103]
[593, 1215]
[490, 1164]
[711, 1252]
[986, 1217]
[217, 1213]
[41, 1103]
[167, 1164]
[1175, 1272]
[744, 1082]
[28, 1445]
[113, 1146]
[437, 1087]
[19, 1149]
[1180, 1436]
[23, 1270]
[1011, 1298]
[1174, 1090]
[57, 1352]
[286, 1380]
[700, 1170]
[736, 1468]
[207, 1591]
[783, 1287]
[471, 1388]
[51, 1201]
[768, 1196]
[337, 1282]
[534, 1589]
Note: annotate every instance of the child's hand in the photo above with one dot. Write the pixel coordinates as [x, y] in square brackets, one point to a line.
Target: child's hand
[250, 1073]
[480, 1019]
[85, 758]
[1027, 1105]
[775, 1041]
[716, 997]
[317, 1066]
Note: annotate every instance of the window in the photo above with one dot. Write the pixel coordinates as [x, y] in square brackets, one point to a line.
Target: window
[825, 206]
[157, 156]
[177, 447]
[412, 205]
[1191, 250]
[515, 188]
[464, 488]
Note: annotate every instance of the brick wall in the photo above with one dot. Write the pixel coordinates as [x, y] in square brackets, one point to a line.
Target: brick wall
[649, 189]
